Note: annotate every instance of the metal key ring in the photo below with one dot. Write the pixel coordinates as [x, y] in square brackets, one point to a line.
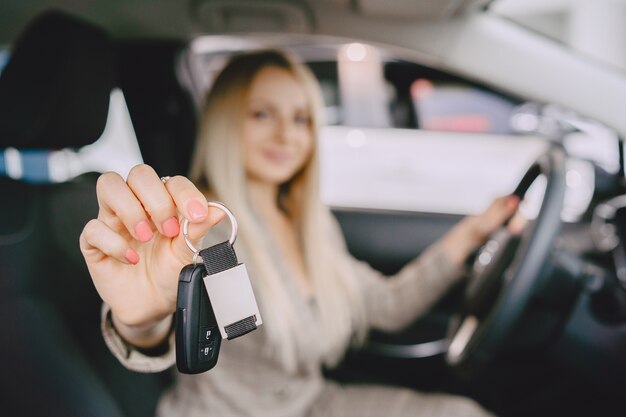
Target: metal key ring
[233, 223]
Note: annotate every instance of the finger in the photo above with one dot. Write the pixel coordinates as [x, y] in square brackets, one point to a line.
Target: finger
[502, 208]
[198, 230]
[119, 204]
[511, 203]
[193, 205]
[517, 224]
[155, 199]
[188, 199]
[497, 214]
[98, 240]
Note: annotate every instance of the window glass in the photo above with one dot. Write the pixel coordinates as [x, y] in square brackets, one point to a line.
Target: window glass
[404, 136]
[432, 100]
[116, 150]
[450, 107]
[417, 170]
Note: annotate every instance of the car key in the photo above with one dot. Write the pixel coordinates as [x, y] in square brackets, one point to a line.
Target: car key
[214, 301]
[198, 339]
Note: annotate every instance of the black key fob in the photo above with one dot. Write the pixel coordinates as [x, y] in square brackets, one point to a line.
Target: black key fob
[197, 335]
[198, 331]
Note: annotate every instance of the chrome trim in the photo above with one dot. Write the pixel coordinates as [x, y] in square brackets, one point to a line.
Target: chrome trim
[416, 351]
[461, 339]
[603, 230]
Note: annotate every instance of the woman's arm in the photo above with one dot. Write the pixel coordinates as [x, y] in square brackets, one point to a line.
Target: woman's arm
[394, 302]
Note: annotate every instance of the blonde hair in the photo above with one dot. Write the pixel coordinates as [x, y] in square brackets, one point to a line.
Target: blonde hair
[218, 166]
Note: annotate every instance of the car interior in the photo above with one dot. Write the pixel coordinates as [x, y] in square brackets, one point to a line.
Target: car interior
[537, 329]
[51, 335]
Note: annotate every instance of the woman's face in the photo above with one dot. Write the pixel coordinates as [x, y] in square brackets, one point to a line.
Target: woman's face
[276, 134]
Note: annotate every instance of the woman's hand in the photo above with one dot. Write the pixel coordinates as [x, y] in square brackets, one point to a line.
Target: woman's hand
[135, 249]
[471, 232]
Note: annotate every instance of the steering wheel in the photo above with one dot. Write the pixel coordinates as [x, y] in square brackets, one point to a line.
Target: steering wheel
[507, 272]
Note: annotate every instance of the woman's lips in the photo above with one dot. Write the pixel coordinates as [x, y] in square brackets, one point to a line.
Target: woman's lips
[277, 156]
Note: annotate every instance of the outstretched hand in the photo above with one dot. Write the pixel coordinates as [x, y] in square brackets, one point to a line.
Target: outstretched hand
[135, 249]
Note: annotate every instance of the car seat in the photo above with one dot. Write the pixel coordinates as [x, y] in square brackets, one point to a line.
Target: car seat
[162, 111]
[54, 94]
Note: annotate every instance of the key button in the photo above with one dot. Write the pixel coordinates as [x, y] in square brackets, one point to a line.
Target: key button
[207, 352]
[207, 334]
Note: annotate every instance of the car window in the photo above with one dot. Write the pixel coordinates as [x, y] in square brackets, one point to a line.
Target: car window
[115, 150]
[452, 107]
[404, 136]
[416, 170]
[433, 100]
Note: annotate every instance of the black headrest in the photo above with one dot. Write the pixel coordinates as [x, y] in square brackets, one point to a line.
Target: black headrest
[54, 91]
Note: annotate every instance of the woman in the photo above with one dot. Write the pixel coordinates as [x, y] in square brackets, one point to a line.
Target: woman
[256, 153]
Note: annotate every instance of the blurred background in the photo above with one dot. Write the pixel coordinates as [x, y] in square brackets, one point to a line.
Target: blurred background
[392, 117]
[432, 108]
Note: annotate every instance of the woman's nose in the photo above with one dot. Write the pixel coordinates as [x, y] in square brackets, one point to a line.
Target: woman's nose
[285, 130]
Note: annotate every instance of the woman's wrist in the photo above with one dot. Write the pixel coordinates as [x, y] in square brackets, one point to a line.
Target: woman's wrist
[471, 232]
[462, 240]
[144, 336]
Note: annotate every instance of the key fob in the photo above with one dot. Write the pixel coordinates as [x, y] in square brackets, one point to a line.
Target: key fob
[197, 334]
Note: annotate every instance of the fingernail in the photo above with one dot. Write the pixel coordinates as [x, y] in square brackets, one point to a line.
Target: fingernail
[143, 231]
[171, 227]
[196, 210]
[512, 202]
[131, 256]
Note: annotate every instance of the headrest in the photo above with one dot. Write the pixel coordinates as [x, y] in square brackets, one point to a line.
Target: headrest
[54, 91]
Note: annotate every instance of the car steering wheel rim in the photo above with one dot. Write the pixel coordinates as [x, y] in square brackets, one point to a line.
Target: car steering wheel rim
[476, 341]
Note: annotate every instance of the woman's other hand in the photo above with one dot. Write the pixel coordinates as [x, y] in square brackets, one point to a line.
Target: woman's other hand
[135, 249]
[471, 232]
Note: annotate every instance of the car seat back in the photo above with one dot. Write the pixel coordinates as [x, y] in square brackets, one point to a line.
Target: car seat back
[54, 94]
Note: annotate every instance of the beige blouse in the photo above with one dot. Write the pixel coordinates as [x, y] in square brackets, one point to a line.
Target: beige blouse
[246, 382]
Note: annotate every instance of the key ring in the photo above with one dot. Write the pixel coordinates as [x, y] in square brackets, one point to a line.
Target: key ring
[233, 223]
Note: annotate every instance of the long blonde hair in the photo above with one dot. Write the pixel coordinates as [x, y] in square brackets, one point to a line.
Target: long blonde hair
[218, 167]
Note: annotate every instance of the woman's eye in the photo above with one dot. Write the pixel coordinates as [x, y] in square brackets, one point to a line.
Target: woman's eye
[260, 114]
[302, 120]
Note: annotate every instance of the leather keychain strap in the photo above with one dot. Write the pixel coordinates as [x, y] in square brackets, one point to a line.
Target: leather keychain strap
[219, 258]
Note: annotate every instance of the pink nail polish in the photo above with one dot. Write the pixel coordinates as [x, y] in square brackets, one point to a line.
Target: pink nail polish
[196, 210]
[131, 256]
[171, 227]
[143, 231]
[512, 202]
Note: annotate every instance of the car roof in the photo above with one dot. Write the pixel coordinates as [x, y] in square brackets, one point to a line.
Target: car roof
[184, 19]
[455, 36]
